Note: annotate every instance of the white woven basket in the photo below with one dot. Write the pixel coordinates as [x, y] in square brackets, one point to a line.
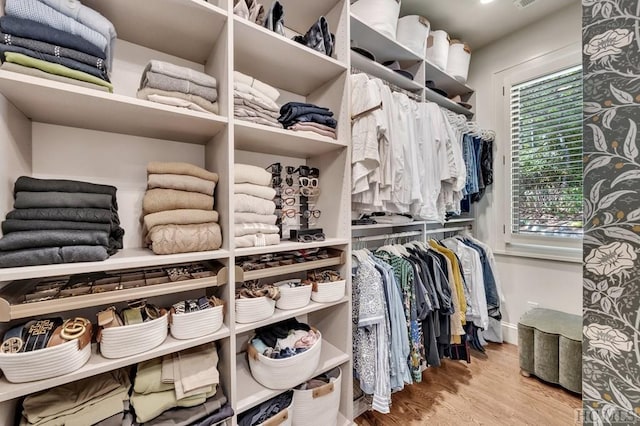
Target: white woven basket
[382, 15]
[319, 406]
[128, 340]
[329, 292]
[459, 60]
[252, 310]
[413, 31]
[438, 48]
[293, 297]
[44, 363]
[287, 372]
[196, 324]
[283, 418]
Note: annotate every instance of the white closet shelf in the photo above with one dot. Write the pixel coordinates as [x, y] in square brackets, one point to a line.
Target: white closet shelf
[447, 103]
[251, 393]
[124, 259]
[337, 258]
[409, 224]
[447, 82]
[384, 48]
[155, 24]
[375, 69]
[73, 106]
[281, 315]
[281, 62]
[270, 140]
[299, 16]
[98, 364]
[286, 245]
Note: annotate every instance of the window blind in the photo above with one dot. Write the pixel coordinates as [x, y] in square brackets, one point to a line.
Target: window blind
[546, 155]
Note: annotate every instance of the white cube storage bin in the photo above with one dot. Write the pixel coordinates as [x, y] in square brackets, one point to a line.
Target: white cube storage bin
[293, 297]
[283, 418]
[381, 15]
[413, 31]
[319, 406]
[44, 363]
[285, 373]
[329, 292]
[438, 48]
[256, 309]
[458, 60]
[129, 340]
[192, 325]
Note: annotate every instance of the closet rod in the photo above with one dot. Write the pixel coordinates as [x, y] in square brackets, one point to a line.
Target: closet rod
[388, 236]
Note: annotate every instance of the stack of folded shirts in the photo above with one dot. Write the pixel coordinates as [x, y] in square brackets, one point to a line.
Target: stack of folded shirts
[96, 400]
[255, 101]
[180, 389]
[174, 85]
[60, 221]
[178, 209]
[57, 40]
[255, 219]
[308, 117]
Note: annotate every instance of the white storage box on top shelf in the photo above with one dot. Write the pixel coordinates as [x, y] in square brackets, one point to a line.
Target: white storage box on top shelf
[328, 292]
[196, 324]
[283, 418]
[293, 297]
[381, 15]
[128, 340]
[256, 309]
[413, 31]
[284, 373]
[319, 406]
[44, 363]
[458, 60]
[438, 48]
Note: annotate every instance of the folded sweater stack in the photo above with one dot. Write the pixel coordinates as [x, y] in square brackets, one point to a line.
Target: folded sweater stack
[255, 219]
[255, 101]
[180, 389]
[178, 209]
[299, 116]
[57, 40]
[183, 87]
[60, 221]
[95, 400]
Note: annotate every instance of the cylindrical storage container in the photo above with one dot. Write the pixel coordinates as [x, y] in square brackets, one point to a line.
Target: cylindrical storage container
[413, 31]
[197, 324]
[318, 406]
[459, 60]
[44, 363]
[381, 15]
[128, 340]
[284, 373]
[438, 48]
[293, 297]
[283, 418]
[328, 292]
[256, 309]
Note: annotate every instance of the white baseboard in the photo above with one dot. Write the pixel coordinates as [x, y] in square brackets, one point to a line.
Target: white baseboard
[510, 333]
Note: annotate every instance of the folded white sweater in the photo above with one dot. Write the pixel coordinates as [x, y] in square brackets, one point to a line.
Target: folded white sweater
[250, 204]
[269, 91]
[257, 240]
[242, 229]
[246, 173]
[269, 219]
[259, 191]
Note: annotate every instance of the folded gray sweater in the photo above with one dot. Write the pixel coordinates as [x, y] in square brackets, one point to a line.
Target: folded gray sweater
[182, 73]
[171, 84]
[36, 200]
[52, 255]
[55, 238]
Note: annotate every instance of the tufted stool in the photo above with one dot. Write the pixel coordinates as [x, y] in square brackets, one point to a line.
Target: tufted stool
[550, 346]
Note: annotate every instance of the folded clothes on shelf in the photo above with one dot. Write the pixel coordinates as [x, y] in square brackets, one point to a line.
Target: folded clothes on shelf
[254, 101]
[242, 229]
[171, 239]
[268, 409]
[292, 113]
[262, 88]
[160, 199]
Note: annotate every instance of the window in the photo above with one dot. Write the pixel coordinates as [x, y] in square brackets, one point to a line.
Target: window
[546, 155]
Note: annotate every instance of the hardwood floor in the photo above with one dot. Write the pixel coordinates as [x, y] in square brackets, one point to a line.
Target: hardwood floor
[489, 391]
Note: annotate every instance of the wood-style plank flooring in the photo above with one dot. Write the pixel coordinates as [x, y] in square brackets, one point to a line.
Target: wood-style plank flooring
[489, 391]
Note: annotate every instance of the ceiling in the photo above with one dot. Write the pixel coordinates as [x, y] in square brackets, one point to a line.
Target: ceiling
[480, 24]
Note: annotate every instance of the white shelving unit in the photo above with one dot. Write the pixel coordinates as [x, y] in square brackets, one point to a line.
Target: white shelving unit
[56, 130]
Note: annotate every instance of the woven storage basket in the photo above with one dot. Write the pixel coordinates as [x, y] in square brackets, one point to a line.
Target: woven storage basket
[196, 324]
[329, 292]
[382, 15]
[252, 310]
[287, 372]
[283, 418]
[293, 297]
[319, 406]
[438, 48]
[44, 363]
[128, 340]
[459, 60]
[413, 31]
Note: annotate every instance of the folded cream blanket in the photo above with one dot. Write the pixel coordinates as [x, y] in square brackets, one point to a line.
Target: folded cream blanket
[181, 183]
[242, 229]
[176, 168]
[177, 217]
[269, 219]
[172, 239]
[250, 204]
[256, 107]
[269, 91]
[245, 173]
[177, 102]
[244, 115]
[247, 93]
[164, 82]
[257, 240]
[152, 94]
[259, 191]
[183, 73]
[158, 200]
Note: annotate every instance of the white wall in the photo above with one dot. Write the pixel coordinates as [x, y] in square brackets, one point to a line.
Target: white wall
[551, 284]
